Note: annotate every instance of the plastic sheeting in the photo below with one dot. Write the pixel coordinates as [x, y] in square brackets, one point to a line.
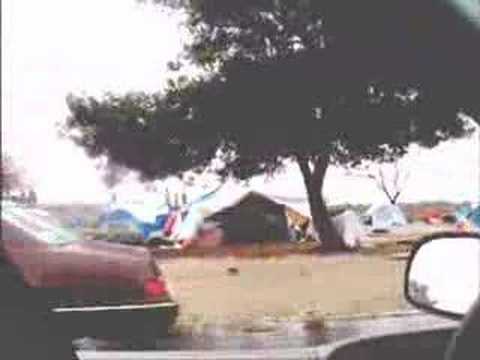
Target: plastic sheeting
[227, 195]
[474, 217]
[123, 220]
[350, 228]
[299, 204]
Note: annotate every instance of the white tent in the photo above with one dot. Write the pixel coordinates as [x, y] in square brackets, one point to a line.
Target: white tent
[226, 196]
[350, 228]
[384, 217]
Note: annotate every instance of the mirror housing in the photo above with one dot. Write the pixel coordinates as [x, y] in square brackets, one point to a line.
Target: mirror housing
[443, 274]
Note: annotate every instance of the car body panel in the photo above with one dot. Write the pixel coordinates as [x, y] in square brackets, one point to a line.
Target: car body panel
[87, 277]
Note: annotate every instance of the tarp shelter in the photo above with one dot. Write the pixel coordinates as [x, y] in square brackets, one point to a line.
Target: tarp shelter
[144, 210]
[474, 217]
[123, 221]
[350, 228]
[245, 215]
[463, 212]
[207, 205]
[252, 219]
[385, 217]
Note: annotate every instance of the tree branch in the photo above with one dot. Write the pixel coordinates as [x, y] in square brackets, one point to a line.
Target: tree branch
[383, 186]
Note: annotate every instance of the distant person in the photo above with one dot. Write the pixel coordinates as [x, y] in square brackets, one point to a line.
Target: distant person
[32, 197]
[23, 197]
[26, 332]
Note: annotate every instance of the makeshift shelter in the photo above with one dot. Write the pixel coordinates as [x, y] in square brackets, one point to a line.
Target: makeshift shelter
[463, 212]
[118, 219]
[209, 204]
[474, 217]
[123, 221]
[299, 206]
[350, 228]
[144, 210]
[253, 218]
[243, 214]
[385, 217]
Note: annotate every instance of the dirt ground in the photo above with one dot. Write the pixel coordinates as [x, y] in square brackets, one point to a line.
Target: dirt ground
[238, 290]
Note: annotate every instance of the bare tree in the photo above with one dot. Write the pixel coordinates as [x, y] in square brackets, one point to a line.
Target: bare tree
[390, 178]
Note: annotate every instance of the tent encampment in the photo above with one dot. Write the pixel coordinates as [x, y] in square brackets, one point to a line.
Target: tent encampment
[385, 217]
[248, 215]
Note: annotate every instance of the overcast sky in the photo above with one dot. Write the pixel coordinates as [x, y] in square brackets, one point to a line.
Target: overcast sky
[53, 47]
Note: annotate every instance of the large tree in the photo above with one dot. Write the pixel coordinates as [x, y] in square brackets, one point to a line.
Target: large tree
[301, 80]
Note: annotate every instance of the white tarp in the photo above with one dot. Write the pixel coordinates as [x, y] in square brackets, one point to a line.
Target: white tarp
[384, 217]
[350, 228]
[294, 197]
[226, 196]
[299, 204]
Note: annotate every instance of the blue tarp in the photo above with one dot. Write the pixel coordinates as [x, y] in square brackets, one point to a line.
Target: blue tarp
[463, 212]
[117, 216]
[127, 219]
[474, 217]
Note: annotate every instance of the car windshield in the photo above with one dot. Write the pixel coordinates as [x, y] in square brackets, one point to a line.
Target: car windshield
[39, 223]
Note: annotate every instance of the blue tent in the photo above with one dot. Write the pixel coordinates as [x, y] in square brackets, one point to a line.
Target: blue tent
[118, 216]
[464, 212]
[474, 217]
[123, 220]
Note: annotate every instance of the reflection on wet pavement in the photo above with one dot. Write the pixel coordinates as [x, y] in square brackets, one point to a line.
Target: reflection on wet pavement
[289, 335]
[284, 335]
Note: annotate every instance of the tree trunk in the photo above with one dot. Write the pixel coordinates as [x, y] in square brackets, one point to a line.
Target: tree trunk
[314, 179]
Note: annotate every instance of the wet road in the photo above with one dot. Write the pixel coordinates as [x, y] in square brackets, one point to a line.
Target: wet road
[285, 341]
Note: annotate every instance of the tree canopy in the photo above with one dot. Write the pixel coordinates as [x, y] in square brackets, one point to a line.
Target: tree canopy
[317, 82]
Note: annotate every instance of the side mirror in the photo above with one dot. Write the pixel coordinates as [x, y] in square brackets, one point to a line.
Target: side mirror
[443, 274]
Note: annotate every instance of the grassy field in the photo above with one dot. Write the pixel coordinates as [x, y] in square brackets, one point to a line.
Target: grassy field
[236, 291]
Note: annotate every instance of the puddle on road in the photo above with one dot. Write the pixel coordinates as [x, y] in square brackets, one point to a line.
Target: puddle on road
[282, 335]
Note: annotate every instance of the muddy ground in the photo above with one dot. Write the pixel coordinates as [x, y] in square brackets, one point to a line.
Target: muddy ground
[241, 291]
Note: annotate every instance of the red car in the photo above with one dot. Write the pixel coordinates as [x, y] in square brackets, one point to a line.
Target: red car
[94, 288]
